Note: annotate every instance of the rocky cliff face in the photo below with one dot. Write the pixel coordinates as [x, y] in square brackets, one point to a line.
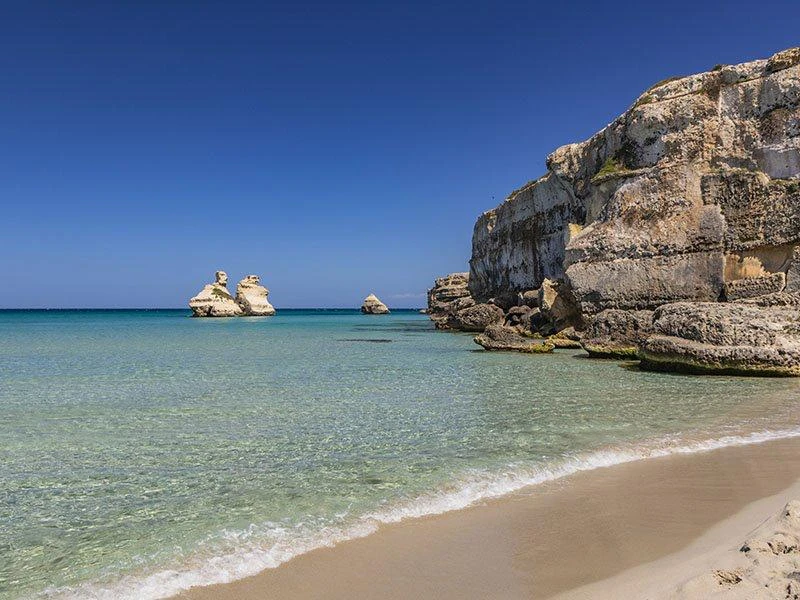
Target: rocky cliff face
[214, 300]
[694, 187]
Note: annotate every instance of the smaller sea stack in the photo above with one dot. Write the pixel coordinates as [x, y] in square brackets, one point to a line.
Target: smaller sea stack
[373, 306]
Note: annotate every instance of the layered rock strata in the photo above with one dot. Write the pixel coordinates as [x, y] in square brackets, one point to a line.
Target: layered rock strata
[448, 295]
[373, 306]
[617, 333]
[700, 172]
[725, 338]
[691, 198]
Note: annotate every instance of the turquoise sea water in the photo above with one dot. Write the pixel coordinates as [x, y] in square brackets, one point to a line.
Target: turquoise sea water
[142, 452]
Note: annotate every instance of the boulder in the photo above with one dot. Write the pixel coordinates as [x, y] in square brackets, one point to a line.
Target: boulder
[448, 295]
[214, 300]
[373, 306]
[724, 338]
[617, 333]
[475, 318]
[498, 337]
[251, 297]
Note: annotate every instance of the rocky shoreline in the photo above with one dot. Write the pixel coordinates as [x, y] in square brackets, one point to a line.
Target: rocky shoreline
[672, 236]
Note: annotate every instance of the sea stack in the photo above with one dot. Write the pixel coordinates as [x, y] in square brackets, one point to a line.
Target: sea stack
[214, 300]
[251, 297]
[373, 306]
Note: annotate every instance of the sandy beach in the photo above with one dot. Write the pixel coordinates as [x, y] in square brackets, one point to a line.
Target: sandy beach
[630, 530]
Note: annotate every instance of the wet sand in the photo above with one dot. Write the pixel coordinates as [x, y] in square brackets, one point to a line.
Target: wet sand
[611, 532]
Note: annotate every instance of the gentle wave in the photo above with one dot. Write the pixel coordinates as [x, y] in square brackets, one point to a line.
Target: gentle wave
[287, 543]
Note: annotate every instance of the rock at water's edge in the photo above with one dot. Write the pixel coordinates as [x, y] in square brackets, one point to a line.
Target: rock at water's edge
[498, 337]
[719, 338]
[617, 333]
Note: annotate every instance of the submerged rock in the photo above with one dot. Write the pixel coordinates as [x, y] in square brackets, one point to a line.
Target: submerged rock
[373, 306]
[724, 338]
[498, 337]
[214, 300]
[251, 296]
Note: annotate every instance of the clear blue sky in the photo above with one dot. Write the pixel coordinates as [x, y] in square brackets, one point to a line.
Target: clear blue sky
[334, 148]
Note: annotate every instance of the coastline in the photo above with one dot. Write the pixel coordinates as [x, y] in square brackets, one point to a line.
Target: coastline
[658, 516]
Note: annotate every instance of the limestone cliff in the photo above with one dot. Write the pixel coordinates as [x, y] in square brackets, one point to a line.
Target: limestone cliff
[697, 185]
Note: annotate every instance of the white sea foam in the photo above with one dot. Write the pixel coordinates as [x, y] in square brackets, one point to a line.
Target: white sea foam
[257, 553]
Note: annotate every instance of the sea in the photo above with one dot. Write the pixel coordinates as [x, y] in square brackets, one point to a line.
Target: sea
[143, 452]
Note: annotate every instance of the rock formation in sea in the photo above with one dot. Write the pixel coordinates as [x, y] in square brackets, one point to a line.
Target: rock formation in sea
[734, 338]
[691, 195]
[373, 306]
[214, 300]
[251, 297]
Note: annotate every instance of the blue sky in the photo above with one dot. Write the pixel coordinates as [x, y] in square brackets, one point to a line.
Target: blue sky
[336, 149]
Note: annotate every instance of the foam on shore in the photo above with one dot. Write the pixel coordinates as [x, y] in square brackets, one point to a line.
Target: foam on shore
[268, 546]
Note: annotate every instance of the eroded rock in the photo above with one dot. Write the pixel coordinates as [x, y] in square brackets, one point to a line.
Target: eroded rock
[214, 300]
[251, 297]
[498, 337]
[373, 306]
[724, 338]
[648, 210]
[617, 333]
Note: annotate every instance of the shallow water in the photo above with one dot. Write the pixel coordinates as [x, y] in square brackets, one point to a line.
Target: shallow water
[142, 452]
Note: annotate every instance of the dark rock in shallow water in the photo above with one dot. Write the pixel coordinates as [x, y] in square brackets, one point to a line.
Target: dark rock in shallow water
[498, 337]
[617, 333]
[719, 338]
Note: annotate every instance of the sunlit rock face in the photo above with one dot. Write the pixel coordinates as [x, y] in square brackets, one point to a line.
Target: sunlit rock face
[251, 297]
[697, 185]
[214, 300]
